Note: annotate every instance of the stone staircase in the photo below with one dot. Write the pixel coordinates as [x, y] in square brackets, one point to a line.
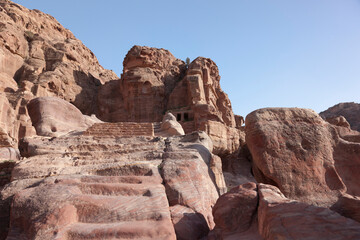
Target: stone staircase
[111, 186]
[188, 126]
[157, 128]
[121, 129]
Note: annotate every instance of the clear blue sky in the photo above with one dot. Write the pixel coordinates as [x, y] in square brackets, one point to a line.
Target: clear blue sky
[270, 53]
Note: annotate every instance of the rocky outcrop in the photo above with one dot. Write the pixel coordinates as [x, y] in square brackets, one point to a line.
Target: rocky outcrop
[262, 212]
[297, 151]
[349, 110]
[100, 186]
[282, 218]
[235, 214]
[39, 57]
[149, 75]
[52, 116]
[155, 82]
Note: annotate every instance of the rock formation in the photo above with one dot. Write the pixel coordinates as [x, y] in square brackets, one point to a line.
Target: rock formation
[306, 157]
[349, 110]
[154, 82]
[282, 218]
[148, 168]
[101, 186]
[53, 116]
[170, 127]
[261, 211]
[39, 57]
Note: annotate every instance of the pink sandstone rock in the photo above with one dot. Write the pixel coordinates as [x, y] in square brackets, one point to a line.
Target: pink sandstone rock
[236, 209]
[53, 116]
[94, 187]
[235, 214]
[8, 153]
[36, 48]
[39, 57]
[187, 223]
[196, 190]
[348, 206]
[170, 127]
[155, 82]
[293, 150]
[282, 218]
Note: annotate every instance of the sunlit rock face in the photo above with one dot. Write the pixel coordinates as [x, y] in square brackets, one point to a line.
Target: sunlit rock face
[38, 58]
[307, 158]
[155, 82]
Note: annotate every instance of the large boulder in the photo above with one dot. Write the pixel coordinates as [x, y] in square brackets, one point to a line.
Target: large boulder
[170, 127]
[307, 158]
[53, 116]
[293, 150]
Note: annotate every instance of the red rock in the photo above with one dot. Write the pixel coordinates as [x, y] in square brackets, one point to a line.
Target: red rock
[348, 206]
[216, 168]
[236, 209]
[170, 127]
[155, 82]
[194, 189]
[293, 149]
[53, 116]
[350, 110]
[39, 57]
[98, 186]
[339, 121]
[237, 168]
[187, 223]
[149, 75]
[282, 218]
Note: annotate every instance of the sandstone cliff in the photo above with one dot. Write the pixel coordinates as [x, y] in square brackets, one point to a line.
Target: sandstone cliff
[39, 57]
[154, 82]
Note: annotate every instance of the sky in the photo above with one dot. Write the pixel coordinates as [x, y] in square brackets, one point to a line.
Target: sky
[270, 53]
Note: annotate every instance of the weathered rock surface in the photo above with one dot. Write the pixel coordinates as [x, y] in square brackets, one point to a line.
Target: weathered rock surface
[154, 82]
[349, 110]
[105, 187]
[8, 153]
[184, 186]
[252, 211]
[170, 127]
[306, 157]
[39, 57]
[7, 121]
[52, 116]
[235, 214]
[282, 218]
[149, 75]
